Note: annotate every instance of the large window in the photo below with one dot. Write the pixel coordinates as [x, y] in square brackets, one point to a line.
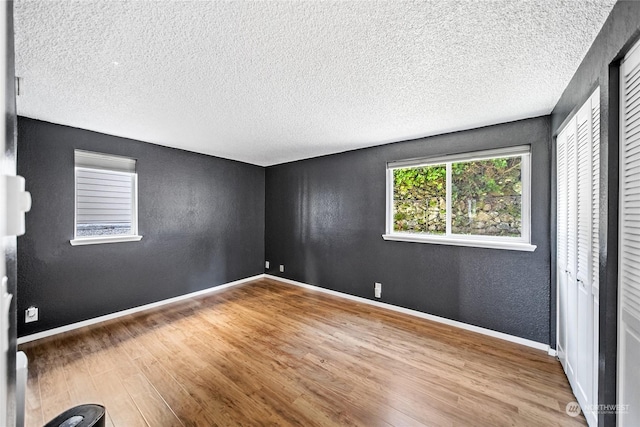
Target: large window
[106, 190]
[474, 199]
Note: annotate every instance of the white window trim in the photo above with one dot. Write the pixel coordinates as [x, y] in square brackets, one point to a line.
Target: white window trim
[522, 243]
[109, 162]
[80, 241]
[94, 240]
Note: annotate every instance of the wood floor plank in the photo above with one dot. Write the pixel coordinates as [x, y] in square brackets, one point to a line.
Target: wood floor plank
[54, 393]
[119, 405]
[79, 381]
[151, 405]
[33, 410]
[188, 411]
[267, 353]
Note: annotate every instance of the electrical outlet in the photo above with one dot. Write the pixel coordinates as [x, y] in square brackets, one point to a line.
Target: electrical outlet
[377, 289]
[281, 268]
[31, 314]
[266, 265]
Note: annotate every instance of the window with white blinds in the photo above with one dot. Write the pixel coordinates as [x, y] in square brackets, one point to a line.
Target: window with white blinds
[105, 198]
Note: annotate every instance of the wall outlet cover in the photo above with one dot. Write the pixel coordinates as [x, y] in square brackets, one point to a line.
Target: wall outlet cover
[377, 290]
[31, 314]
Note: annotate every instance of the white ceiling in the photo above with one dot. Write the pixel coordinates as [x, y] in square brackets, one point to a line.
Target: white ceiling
[267, 82]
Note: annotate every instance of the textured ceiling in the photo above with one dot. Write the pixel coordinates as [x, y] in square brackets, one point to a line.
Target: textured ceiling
[269, 82]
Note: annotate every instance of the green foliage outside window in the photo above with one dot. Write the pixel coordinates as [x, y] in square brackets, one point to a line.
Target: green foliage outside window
[419, 196]
[485, 198]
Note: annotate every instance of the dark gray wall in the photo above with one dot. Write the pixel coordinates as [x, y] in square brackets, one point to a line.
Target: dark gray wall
[600, 68]
[202, 219]
[325, 217]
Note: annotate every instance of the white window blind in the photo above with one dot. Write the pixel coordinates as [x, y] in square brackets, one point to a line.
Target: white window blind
[106, 193]
[91, 160]
[103, 197]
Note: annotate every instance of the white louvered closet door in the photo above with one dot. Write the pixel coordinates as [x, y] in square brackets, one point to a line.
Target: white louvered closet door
[595, 238]
[561, 213]
[572, 251]
[584, 370]
[629, 266]
[578, 193]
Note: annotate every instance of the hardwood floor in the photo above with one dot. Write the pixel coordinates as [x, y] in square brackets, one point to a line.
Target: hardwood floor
[267, 353]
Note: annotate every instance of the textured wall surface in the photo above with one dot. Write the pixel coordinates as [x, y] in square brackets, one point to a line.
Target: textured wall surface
[279, 81]
[600, 68]
[325, 217]
[202, 219]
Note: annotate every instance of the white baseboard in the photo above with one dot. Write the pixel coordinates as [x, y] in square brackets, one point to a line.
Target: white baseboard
[455, 323]
[71, 327]
[461, 325]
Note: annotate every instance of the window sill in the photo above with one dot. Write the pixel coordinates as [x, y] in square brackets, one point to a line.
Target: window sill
[512, 246]
[98, 240]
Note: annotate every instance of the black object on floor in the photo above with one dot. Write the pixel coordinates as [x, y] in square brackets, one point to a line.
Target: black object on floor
[80, 416]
